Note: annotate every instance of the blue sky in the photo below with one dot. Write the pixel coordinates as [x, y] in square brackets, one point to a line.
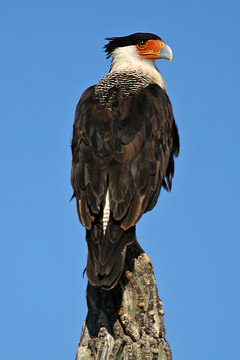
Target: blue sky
[51, 51]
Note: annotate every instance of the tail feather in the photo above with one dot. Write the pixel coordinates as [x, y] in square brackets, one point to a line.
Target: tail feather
[106, 253]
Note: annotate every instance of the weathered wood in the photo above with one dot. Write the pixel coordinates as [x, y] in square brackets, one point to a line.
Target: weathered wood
[126, 322]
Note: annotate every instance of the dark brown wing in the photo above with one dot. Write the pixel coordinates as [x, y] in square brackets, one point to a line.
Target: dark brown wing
[126, 145]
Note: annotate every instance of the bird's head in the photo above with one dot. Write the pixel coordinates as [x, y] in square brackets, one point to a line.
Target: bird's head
[139, 46]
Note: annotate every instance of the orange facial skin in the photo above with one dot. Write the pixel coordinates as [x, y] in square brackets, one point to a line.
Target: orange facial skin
[150, 49]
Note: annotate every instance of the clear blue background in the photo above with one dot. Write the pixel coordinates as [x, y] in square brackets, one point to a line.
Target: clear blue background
[51, 51]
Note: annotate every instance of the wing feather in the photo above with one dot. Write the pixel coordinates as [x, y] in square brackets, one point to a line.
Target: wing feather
[128, 146]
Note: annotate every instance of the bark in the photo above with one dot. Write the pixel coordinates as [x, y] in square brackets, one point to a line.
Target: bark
[126, 322]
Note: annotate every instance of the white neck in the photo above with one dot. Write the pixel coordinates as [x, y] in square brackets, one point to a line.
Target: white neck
[128, 59]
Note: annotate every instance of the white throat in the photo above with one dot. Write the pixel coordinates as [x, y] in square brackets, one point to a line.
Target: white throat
[128, 59]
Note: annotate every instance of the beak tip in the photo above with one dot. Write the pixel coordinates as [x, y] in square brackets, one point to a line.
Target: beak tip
[166, 53]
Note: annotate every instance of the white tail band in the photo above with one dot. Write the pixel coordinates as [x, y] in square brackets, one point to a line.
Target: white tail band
[106, 212]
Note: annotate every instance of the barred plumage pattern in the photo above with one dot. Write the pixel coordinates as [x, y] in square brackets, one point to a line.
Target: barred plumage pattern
[125, 83]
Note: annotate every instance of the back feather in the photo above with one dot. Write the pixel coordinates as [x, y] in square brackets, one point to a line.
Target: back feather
[125, 144]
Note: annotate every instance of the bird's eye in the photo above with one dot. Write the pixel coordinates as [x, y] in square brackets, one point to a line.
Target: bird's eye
[142, 43]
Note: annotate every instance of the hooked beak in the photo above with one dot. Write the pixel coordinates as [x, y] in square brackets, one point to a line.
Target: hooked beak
[166, 53]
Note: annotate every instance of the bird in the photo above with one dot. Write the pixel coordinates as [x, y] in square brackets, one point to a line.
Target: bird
[124, 143]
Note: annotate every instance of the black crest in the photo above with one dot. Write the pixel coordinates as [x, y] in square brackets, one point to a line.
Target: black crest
[133, 39]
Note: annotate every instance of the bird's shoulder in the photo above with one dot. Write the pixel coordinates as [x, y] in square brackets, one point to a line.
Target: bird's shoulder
[122, 107]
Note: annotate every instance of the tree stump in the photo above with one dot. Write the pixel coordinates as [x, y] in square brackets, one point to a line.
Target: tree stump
[126, 322]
